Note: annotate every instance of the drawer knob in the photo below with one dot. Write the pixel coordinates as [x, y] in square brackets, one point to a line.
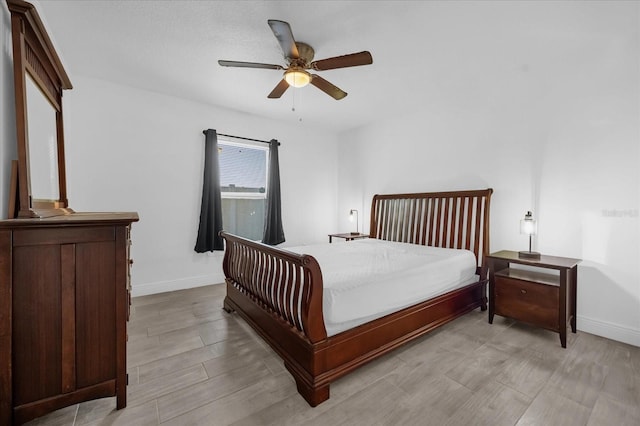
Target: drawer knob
[523, 291]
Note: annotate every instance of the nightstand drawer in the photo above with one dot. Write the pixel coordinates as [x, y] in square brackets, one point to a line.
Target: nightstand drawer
[532, 303]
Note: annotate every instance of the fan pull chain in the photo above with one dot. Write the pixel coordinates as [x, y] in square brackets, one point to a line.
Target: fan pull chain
[293, 101]
[293, 104]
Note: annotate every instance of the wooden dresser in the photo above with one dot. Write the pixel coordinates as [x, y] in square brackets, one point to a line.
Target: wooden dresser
[64, 306]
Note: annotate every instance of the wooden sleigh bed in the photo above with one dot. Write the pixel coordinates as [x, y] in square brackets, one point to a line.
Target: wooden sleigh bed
[280, 293]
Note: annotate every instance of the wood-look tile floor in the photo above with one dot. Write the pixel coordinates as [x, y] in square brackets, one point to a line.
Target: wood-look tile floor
[190, 363]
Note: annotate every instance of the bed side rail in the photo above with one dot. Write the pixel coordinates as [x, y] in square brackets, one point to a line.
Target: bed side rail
[455, 219]
[285, 284]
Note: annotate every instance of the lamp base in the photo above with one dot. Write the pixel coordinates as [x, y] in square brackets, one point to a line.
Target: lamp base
[528, 255]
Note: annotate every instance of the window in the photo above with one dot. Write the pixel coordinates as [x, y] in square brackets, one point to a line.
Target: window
[243, 183]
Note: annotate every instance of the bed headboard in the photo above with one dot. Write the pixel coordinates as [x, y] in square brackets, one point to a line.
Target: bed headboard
[458, 219]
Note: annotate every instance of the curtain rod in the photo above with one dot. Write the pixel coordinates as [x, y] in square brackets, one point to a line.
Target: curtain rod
[241, 137]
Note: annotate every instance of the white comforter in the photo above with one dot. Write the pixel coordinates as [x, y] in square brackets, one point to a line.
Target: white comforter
[367, 279]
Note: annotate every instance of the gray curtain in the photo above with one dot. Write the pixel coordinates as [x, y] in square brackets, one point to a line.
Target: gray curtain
[273, 232]
[211, 208]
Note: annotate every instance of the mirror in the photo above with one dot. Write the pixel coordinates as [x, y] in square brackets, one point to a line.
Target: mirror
[39, 79]
[43, 148]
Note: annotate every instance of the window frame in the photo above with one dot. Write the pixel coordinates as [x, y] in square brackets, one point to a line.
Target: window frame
[247, 195]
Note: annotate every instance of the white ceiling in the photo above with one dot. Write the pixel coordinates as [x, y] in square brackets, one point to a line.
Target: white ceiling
[423, 52]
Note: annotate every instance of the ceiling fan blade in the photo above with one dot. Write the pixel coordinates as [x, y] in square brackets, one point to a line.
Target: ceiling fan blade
[283, 33]
[352, 60]
[328, 88]
[249, 65]
[279, 89]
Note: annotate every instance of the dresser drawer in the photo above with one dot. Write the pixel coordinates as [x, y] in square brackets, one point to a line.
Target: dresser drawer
[533, 303]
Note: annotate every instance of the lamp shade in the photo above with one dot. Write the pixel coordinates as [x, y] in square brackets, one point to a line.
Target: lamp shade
[528, 225]
[297, 77]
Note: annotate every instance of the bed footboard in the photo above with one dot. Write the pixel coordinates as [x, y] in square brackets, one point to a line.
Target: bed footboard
[279, 293]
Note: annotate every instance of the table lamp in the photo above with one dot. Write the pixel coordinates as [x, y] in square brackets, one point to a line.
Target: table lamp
[529, 227]
[351, 213]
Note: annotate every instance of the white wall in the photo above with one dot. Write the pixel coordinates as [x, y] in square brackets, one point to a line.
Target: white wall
[134, 150]
[556, 131]
[8, 148]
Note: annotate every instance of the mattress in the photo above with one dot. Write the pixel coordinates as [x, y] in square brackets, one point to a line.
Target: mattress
[368, 279]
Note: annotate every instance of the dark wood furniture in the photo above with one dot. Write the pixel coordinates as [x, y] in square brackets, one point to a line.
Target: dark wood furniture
[64, 276]
[348, 236]
[64, 303]
[534, 297]
[279, 293]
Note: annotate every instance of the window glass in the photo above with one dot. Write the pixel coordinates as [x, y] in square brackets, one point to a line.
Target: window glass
[243, 182]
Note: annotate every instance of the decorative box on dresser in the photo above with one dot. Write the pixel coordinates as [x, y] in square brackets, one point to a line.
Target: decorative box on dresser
[534, 296]
[64, 306]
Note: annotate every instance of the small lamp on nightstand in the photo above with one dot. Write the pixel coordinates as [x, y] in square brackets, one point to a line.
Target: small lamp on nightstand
[529, 227]
[351, 213]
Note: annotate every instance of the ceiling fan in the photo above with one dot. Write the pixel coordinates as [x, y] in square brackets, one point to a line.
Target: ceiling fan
[300, 59]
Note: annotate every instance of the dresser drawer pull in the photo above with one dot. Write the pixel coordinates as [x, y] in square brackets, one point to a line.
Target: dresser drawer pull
[523, 291]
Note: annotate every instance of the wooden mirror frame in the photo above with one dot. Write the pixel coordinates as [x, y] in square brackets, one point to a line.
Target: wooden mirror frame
[34, 55]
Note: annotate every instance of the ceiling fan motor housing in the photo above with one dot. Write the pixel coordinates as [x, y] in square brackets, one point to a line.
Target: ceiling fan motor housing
[305, 54]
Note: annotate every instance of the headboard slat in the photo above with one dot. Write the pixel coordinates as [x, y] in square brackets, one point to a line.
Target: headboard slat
[432, 217]
[469, 219]
[439, 239]
[416, 222]
[476, 241]
[452, 222]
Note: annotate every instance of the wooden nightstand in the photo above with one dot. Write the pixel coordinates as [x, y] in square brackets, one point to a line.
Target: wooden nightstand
[348, 236]
[534, 297]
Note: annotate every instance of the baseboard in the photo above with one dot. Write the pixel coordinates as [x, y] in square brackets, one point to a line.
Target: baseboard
[172, 285]
[609, 330]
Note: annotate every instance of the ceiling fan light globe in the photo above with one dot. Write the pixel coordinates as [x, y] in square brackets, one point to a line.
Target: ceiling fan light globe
[297, 77]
